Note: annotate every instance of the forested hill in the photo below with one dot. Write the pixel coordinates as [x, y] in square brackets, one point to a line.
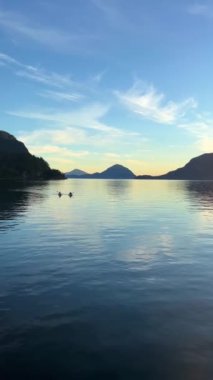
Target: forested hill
[17, 163]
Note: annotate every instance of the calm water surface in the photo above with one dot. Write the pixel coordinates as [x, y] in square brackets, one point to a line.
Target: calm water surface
[114, 283]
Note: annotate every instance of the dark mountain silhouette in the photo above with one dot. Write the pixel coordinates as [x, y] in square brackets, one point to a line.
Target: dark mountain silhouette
[114, 172]
[17, 163]
[10, 146]
[200, 168]
[75, 173]
[117, 171]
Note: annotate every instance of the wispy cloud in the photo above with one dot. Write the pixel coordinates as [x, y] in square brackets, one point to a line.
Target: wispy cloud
[83, 126]
[60, 146]
[68, 136]
[55, 149]
[114, 15]
[200, 9]
[112, 155]
[53, 79]
[202, 130]
[56, 155]
[97, 78]
[36, 74]
[39, 75]
[109, 11]
[87, 117]
[63, 136]
[197, 127]
[61, 96]
[206, 144]
[150, 104]
[17, 25]
[6, 59]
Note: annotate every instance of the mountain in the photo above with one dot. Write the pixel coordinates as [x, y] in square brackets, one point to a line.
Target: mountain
[198, 168]
[10, 146]
[17, 163]
[114, 172]
[117, 171]
[75, 173]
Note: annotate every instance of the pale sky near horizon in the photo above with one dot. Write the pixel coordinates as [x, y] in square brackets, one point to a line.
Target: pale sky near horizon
[90, 83]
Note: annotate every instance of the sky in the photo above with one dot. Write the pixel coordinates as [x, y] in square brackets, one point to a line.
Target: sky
[90, 83]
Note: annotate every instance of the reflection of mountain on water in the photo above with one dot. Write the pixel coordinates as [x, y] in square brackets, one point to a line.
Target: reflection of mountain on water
[15, 199]
[118, 188]
[202, 190]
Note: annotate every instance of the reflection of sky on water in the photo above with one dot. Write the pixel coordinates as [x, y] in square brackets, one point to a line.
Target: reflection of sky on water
[147, 250]
[141, 217]
[134, 220]
[119, 216]
[125, 264]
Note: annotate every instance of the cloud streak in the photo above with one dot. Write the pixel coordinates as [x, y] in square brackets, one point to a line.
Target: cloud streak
[61, 82]
[114, 15]
[55, 149]
[88, 117]
[37, 74]
[61, 145]
[151, 105]
[61, 96]
[202, 130]
[6, 59]
[58, 40]
[201, 10]
[111, 14]
[56, 155]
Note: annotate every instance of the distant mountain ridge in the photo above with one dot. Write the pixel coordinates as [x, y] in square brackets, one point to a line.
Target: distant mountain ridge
[114, 172]
[17, 163]
[75, 173]
[198, 168]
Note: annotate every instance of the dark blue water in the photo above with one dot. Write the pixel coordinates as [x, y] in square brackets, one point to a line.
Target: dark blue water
[114, 283]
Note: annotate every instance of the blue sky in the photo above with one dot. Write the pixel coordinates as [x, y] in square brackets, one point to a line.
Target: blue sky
[90, 83]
